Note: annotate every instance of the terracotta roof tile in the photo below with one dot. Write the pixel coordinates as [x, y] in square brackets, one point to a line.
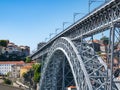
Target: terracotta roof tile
[72, 87]
[26, 67]
[12, 62]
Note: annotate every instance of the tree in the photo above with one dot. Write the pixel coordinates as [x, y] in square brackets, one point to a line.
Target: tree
[105, 40]
[24, 75]
[37, 69]
[36, 77]
[28, 60]
[3, 43]
[7, 81]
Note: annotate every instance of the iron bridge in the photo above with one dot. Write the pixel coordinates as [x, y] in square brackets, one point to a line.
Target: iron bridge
[68, 60]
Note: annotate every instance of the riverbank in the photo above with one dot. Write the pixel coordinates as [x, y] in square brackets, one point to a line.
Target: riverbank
[8, 87]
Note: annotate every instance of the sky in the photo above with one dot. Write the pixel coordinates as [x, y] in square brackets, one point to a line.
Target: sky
[28, 22]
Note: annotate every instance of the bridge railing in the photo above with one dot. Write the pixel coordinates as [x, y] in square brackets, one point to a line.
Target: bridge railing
[74, 24]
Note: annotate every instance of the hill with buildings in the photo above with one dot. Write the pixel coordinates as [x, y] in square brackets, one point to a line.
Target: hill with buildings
[9, 51]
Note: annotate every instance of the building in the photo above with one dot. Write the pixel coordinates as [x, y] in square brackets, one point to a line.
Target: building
[15, 69]
[10, 47]
[25, 50]
[15, 49]
[71, 88]
[6, 66]
[25, 69]
[1, 50]
[102, 48]
[95, 44]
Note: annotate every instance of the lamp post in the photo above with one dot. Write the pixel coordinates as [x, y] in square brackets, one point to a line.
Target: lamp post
[50, 35]
[64, 23]
[56, 30]
[74, 16]
[46, 39]
[91, 1]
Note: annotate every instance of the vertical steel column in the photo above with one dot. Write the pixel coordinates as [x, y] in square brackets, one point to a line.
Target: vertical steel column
[54, 69]
[112, 32]
[93, 43]
[42, 63]
[108, 61]
[81, 40]
[63, 74]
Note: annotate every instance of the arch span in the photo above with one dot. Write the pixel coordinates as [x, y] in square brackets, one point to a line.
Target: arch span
[78, 70]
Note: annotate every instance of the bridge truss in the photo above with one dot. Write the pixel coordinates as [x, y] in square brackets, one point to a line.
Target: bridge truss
[69, 60]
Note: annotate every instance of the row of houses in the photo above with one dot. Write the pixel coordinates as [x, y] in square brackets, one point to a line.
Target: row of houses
[99, 46]
[12, 48]
[15, 69]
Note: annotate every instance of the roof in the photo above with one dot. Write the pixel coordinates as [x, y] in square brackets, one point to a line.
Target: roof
[26, 67]
[72, 87]
[31, 63]
[12, 62]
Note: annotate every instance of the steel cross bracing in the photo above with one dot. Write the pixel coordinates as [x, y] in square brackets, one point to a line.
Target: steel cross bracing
[83, 75]
[70, 48]
[97, 21]
[113, 52]
[96, 68]
[86, 66]
[63, 45]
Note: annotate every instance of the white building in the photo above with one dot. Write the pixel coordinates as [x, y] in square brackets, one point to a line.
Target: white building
[6, 66]
[15, 70]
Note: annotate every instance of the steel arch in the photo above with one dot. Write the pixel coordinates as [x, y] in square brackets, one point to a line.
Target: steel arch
[67, 47]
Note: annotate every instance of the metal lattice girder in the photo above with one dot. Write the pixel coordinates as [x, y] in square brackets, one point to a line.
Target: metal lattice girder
[87, 67]
[97, 21]
[94, 65]
[67, 47]
[84, 73]
[112, 53]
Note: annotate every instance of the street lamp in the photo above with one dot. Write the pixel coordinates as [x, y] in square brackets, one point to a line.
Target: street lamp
[56, 30]
[64, 23]
[74, 16]
[46, 39]
[51, 35]
[91, 1]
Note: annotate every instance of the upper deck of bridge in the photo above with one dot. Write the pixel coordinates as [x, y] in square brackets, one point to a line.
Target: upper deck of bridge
[89, 15]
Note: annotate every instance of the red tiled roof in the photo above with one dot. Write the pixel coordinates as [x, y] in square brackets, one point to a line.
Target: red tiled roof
[31, 63]
[26, 67]
[72, 87]
[12, 62]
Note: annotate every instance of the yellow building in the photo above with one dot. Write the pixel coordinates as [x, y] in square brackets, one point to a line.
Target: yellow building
[24, 69]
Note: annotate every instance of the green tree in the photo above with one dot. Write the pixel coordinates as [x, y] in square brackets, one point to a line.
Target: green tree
[7, 81]
[28, 60]
[105, 40]
[37, 69]
[36, 77]
[24, 75]
[3, 43]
